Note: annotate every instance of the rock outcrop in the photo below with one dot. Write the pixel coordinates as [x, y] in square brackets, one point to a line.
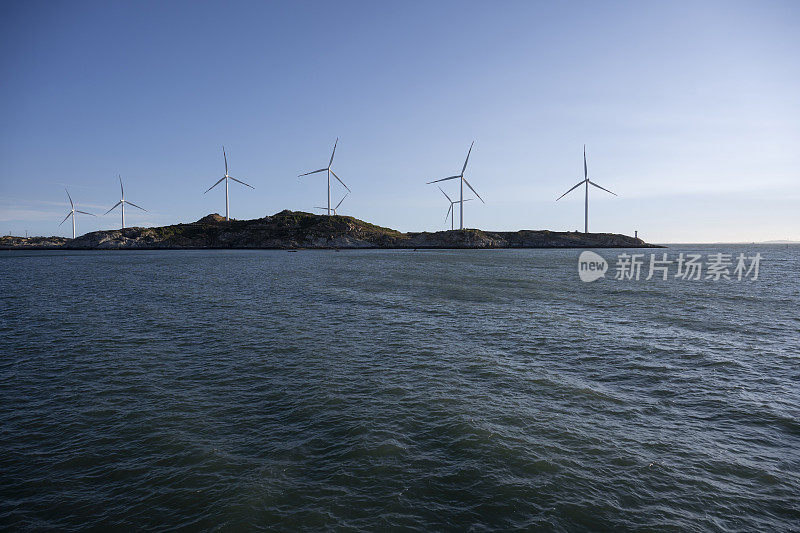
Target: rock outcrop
[293, 229]
[8, 242]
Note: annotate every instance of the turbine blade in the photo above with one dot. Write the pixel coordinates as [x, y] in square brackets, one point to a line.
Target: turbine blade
[445, 194]
[599, 187]
[466, 160]
[443, 179]
[240, 181]
[85, 213]
[448, 211]
[70, 198]
[569, 191]
[473, 190]
[340, 201]
[217, 183]
[134, 205]
[65, 218]
[334, 152]
[340, 181]
[226, 159]
[120, 186]
[585, 168]
[115, 206]
[312, 172]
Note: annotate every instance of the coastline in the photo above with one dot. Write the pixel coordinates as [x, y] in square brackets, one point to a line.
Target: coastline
[294, 230]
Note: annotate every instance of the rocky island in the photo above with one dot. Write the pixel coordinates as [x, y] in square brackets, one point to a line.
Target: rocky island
[295, 229]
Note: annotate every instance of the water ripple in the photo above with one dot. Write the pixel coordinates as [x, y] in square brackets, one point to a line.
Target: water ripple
[372, 390]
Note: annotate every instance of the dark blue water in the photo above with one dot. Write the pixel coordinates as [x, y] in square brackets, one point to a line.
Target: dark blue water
[372, 390]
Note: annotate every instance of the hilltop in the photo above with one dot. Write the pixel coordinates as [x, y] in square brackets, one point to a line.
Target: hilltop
[296, 229]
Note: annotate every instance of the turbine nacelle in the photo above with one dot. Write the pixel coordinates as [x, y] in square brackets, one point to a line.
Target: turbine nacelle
[586, 182]
[72, 212]
[337, 205]
[462, 181]
[122, 203]
[450, 208]
[330, 172]
[225, 178]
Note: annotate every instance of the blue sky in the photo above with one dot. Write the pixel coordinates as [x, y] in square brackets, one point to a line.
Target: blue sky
[690, 112]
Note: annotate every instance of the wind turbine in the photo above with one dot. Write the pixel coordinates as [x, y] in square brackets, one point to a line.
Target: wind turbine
[226, 177]
[330, 171]
[450, 211]
[122, 203]
[337, 205]
[586, 182]
[72, 212]
[462, 180]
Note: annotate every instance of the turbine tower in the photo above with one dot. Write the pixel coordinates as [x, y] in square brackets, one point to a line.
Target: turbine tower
[330, 171]
[122, 203]
[586, 182]
[450, 211]
[226, 177]
[462, 180]
[337, 205]
[72, 212]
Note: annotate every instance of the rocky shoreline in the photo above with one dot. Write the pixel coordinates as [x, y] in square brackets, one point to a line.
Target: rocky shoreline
[298, 230]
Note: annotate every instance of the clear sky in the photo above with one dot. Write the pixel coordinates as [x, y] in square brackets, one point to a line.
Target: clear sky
[690, 112]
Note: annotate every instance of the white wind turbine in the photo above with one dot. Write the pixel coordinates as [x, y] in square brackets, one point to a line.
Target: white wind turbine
[450, 211]
[462, 181]
[226, 177]
[122, 203]
[586, 182]
[330, 171]
[72, 212]
[337, 205]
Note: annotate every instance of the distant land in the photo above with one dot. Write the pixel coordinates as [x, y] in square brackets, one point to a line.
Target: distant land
[298, 230]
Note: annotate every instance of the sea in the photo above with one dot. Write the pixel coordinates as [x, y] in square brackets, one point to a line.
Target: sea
[402, 390]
